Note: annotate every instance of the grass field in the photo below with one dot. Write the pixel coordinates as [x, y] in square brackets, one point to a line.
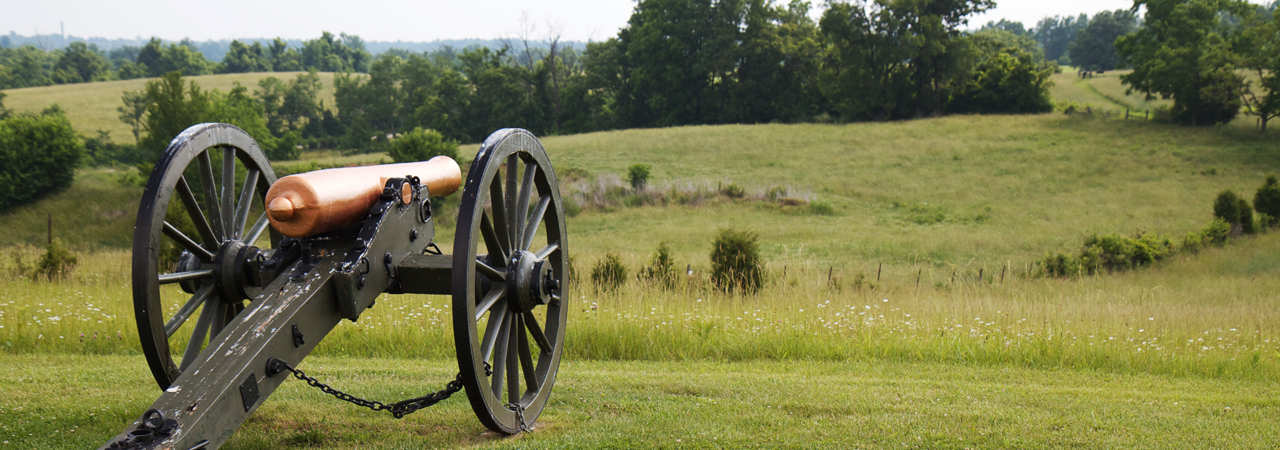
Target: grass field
[902, 316]
[92, 106]
[682, 405]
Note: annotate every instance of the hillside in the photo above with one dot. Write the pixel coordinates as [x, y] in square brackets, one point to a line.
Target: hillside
[965, 190]
[92, 106]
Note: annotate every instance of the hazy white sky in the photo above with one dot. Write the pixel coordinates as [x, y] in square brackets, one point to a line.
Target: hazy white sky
[380, 20]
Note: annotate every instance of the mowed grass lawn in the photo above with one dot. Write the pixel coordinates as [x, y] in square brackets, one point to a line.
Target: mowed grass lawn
[70, 401]
[92, 106]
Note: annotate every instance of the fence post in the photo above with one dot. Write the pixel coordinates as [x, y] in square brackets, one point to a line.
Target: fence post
[878, 272]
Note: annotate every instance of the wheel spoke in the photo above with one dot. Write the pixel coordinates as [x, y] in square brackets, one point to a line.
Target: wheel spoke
[535, 330]
[500, 355]
[499, 213]
[198, 335]
[513, 360]
[186, 242]
[228, 191]
[246, 200]
[170, 278]
[526, 359]
[491, 330]
[510, 202]
[489, 299]
[210, 238]
[491, 239]
[522, 210]
[489, 272]
[532, 227]
[185, 311]
[210, 195]
[219, 319]
[258, 227]
[547, 251]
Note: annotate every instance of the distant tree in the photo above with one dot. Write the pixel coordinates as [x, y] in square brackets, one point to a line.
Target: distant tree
[778, 62]
[27, 66]
[1010, 26]
[1094, 48]
[300, 104]
[133, 109]
[1181, 54]
[1011, 82]
[38, 157]
[329, 53]
[242, 58]
[80, 63]
[160, 59]
[936, 64]
[1260, 47]
[283, 58]
[1056, 33]
[174, 105]
[150, 56]
[4, 112]
[865, 75]
[421, 145]
[239, 108]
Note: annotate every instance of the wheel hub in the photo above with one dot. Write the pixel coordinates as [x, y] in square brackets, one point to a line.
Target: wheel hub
[229, 270]
[531, 281]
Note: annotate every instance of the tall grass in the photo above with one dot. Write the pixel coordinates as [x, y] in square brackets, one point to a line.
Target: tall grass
[1213, 315]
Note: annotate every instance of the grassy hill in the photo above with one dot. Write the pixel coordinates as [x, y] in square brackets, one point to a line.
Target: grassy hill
[981, 190]
[92, 106]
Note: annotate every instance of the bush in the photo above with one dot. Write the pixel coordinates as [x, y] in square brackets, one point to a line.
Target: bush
[1059, 265]
[1234, 210]
[732, 190]
[1247, 225]
[1116, 253]
[608, 273]
[735, 261]
[421, 145]
[662, 267]
[638, 175]
[1267, 201]
[38, 156]
[56, 261]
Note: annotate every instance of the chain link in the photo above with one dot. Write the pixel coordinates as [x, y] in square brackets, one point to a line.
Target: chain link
[519, 410]
[398, 409]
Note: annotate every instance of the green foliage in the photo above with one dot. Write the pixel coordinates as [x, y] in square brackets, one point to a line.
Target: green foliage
[133, 109]
[1181, 53]
[38, 157]
[1215, 233]
[1235, 210]
[100, 150]
[242, 58]
[638, 176]
[732, 190]
[55, 263]
[1109, 253]
[608, 274]
[1010, 81]
[661, 269]
[735, 261]
[329, 53]
[80, 63]
[421, 145]
[1055, 34]
[819, 208]
[1260, 49]
[1267, 201]
[1094, 48]
[173, 106]
[160, 59]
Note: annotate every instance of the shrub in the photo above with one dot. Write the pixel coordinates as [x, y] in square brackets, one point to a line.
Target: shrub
[608, 273]
[735, 261]
[662, 267]
[421, 145]
[1227, 207]
[56, 261]
[732, 190]
[822, 209]
[1059, 265]
[1267, 201]
[638, 175]
[1115, 253]
[38, 156]
[1247, 225]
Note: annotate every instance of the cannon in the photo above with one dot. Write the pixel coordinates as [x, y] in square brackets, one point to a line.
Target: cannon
[227, 309]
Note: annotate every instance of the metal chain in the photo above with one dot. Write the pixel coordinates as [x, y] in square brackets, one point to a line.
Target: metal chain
[519, 410]
[398, 409]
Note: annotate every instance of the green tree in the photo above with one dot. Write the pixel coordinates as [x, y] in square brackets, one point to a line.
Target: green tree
[865, 73]
[38, 157]
[777, 65]
[1094, 48]
[1261, 56]
[937, 62]
[1180, 53]
[283, 58]
[132, 111]
[735, 261]
[1009, 82]
[1056, 33]
[174, 105]
[80, 63]
[422, 145]
[1267, 200]
[242, 58]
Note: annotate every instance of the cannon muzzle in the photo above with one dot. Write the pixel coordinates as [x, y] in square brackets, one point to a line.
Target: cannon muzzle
[325, 200]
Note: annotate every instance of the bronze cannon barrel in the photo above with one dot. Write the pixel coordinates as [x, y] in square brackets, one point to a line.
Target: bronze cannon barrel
[325, 200]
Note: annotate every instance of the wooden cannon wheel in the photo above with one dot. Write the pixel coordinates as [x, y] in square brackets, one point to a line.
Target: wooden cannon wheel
[208, 271]
[508, 274]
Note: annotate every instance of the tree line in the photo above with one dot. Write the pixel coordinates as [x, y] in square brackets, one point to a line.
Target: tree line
[80, 62]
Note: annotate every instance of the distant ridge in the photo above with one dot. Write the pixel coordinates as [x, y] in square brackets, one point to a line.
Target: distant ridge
[215, 50]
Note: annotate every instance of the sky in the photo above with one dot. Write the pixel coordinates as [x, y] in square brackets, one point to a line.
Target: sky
[384, 20]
